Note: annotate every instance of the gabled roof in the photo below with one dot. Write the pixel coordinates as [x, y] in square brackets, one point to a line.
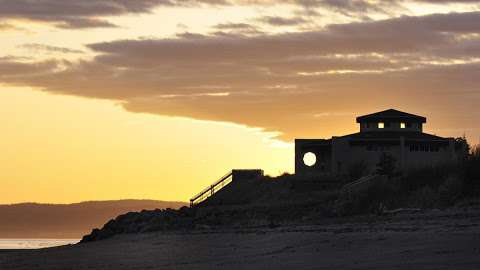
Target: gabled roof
[392, 115]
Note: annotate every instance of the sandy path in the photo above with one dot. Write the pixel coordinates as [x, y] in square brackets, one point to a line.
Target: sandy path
[434, 241]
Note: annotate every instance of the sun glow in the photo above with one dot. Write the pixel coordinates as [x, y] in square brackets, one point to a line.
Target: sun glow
[66, 149]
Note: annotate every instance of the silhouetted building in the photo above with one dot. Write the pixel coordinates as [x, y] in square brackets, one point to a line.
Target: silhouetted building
[394, 132]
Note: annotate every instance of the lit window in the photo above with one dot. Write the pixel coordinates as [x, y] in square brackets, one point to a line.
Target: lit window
[403, 125]
[381, 125]
[309, 159]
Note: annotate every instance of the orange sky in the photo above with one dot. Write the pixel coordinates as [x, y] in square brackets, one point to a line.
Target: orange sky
[67, 149]
[149, 99]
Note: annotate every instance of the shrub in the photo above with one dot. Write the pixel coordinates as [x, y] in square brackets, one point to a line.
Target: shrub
[367, 199]
[386, 165]
[472, 171]
[450, 190]
[358, 170]
[429, 176]
[462, 148]
[444, 193]
[425, 197]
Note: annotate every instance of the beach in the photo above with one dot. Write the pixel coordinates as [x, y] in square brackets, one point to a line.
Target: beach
[428, 240]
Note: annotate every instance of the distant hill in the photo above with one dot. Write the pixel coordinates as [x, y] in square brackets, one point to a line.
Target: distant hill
[33, 220]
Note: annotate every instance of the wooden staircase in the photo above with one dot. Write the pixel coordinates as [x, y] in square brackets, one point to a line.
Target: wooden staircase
[233, 175]
[212, 189]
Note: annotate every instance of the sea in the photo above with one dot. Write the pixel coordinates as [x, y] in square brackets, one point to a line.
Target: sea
[34, 243]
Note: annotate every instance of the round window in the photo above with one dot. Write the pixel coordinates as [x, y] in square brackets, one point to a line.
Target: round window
[309, 159]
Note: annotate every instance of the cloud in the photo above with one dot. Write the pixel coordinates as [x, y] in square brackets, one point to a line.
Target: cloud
[6, 26]
[282, 21]
[11, 68]
[230, 26]
[230, 29]
[47, 48]
[446, 1]
[283, 82]
[79, 23]
[359, 9]
[73, 13]
[400, 35]
[347, 5]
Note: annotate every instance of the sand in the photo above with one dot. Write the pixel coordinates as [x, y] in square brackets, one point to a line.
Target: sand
[432, 240]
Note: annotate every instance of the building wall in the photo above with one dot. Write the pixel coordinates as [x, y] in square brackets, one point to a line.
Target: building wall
[345, 155]
[417, 159]
[390, 126]
[323, 152]
[342, 156]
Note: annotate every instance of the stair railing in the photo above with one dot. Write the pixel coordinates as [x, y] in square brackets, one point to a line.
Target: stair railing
[212, 189]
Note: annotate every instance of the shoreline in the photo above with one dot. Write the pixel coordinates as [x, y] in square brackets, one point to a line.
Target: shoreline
[34, 243]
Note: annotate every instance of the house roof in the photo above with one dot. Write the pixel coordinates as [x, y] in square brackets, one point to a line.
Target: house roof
[392, 115]
[379, 135]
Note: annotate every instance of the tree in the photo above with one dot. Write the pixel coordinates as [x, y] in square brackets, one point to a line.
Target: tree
[386, 165]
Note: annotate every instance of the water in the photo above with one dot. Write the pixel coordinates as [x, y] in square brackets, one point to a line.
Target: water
[34, 243]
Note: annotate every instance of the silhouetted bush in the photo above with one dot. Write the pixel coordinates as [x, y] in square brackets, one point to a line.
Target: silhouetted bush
[358, 170]
[386, 165]
[441, 195]
[462, 148]
[429, 176]
[472, 172]
[368, 198]
[425, 197]
[450, 190]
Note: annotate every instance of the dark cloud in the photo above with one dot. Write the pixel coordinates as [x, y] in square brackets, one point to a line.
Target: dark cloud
[73, 13]
[405, 34]
[281, 82]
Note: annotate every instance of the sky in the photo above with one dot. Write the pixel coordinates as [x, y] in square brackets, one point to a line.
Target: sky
[116, 99]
